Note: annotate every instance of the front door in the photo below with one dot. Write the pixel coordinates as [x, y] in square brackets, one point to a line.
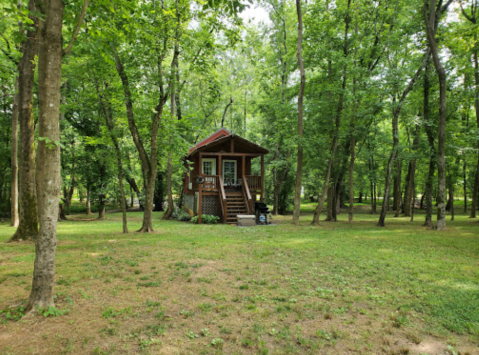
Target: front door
[229, 172]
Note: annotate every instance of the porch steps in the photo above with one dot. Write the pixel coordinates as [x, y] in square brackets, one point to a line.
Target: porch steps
[235, 205]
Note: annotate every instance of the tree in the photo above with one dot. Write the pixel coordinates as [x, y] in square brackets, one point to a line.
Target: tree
[48, 178]
[472, 18]
[299, 162]
[28, 215]
[432, 15]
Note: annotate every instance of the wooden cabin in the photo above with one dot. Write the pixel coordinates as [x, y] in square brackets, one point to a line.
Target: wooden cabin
[223, 162]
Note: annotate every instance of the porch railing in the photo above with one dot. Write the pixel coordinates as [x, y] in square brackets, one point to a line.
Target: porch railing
[223, 201]
[254, 182]
[211, 183]
[247, 195]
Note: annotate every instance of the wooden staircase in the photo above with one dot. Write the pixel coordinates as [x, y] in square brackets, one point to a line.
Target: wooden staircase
[235, 205]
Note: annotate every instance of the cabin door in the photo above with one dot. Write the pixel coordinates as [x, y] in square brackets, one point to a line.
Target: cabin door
[229, 172]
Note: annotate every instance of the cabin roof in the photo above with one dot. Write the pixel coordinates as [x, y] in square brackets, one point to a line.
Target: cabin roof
[221, 136]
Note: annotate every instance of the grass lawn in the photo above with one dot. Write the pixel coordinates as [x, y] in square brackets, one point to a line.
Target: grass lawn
[215, 289]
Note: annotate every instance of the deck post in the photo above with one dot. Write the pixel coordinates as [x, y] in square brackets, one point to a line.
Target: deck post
[200, 203]
[200, 191]
[243, 166]
[262, 177]
[220, 166]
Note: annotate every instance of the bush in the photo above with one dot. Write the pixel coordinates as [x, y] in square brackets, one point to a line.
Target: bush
[183, 216]
[206, 219]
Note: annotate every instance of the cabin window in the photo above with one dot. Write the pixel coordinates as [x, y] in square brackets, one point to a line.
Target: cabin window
[208, 166]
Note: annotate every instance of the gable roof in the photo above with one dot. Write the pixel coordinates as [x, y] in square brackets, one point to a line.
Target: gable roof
[222, 132]
[222, 136]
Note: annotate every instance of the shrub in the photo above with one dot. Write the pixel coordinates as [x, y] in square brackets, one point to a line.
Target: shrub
[183, 216]
[206, 219]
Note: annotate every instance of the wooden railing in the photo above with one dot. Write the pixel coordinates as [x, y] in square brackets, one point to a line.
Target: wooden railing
[247, 196]
[211, 182]
[223, 201]
[254, 182]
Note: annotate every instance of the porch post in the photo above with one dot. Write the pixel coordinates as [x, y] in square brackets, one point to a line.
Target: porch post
[262, 177]
[200, 192]
[220, 166]
[243, 166]
[200, 204]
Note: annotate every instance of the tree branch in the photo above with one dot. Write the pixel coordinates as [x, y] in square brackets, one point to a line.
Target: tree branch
[77, 28]
[470, 18]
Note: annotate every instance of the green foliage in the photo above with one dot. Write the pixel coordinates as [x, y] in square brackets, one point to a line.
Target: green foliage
[183, 216]
[53, 311]
[206, 219]
[12, 314]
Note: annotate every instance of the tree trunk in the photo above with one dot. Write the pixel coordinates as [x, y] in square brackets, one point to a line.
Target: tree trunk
[299, 169]
[451, 201]
[409, 196]
[28, 214]
[14, 161]
[149, 164]
[175, 99]
[132, 198]
[334, 143]
[169, 189]
[101, 206]
[464, 170]
[107, 113]
[475, 190]
[393, 156]
[88, 202]
[432, 20]
[397, 195]
[48, 176]
[432, 152]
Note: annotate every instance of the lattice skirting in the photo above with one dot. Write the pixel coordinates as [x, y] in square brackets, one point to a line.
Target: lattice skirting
[211, 205]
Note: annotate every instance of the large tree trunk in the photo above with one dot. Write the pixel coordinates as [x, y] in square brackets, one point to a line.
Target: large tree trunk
[299, 169]
[14, 161]
[48, 176]
[28, 221]
[432, 152]
[475, 190]
[432, 20]
[473, 19]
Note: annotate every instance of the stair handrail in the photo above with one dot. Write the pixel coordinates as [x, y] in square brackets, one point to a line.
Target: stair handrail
[247, 193]
[222, 196]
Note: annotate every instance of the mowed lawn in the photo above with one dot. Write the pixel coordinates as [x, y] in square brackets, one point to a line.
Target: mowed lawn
[215, 289]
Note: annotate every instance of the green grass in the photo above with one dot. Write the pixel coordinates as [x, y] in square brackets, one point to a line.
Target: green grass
[283, 289]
